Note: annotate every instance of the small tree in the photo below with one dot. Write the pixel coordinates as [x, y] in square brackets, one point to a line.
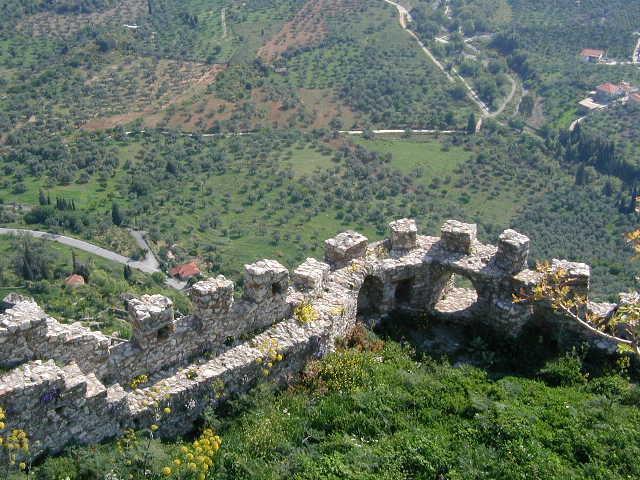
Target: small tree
[471, 124]
[555, 287]
[116, 215]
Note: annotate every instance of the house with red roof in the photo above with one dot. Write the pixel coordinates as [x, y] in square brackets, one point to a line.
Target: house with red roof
[609, 91]
[73, 281]
[592, 55]
[185, 271]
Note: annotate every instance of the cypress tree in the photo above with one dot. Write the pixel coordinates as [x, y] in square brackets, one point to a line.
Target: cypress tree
[116, 216]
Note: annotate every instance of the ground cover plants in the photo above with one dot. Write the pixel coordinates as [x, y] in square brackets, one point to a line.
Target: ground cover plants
[380, 410]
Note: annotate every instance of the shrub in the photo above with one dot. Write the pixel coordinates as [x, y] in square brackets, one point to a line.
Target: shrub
[565, 371]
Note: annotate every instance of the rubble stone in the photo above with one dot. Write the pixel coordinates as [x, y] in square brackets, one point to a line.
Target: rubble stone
[513, 251]
[311, 275]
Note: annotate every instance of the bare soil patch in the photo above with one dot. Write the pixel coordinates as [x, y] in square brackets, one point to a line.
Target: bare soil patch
[307, 28]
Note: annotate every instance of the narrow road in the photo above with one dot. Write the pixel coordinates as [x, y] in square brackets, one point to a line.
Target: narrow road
[404, 17]
[360, 132]
[507, 101]
[148, 265]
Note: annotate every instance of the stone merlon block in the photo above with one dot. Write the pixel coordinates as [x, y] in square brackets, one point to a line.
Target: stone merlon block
[579, 274]
[513, 251]
[458, 237]
[265, 279]
[311, 275]
[23, 315]
[151, 317]
[404, 233]
[344, 247]
[212, 296]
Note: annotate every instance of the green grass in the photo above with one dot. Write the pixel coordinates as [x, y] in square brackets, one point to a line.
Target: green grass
[428, 155]
[386, 413]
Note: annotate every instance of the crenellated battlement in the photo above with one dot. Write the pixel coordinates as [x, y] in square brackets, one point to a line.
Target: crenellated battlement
[68, 383]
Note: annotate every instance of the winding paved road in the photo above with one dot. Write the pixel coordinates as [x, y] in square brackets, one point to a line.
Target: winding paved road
[404, 17]
[148, 265]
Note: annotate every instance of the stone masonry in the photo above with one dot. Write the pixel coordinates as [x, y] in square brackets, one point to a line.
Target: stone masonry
[66, 383]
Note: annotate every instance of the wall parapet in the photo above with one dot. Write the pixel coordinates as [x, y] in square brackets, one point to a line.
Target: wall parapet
[68, 383]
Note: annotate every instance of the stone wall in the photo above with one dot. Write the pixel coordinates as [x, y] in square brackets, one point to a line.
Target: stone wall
[68, 383]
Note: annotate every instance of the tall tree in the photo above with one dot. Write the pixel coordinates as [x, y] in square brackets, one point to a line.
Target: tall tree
[471, 124]
[116, 215]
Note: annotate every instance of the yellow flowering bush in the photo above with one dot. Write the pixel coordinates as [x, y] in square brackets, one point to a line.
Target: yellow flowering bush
[15, 444]
[138, 381]
[195, 460]
[271, 354]
[306, 313]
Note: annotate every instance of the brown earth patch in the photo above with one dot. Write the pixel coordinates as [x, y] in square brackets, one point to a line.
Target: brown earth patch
[307, 27]
[149, 93]
[324, 106]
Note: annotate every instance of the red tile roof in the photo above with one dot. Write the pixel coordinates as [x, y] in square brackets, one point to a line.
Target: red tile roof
[609, 88]
[591, 52]
[74, 280]
[185, 271]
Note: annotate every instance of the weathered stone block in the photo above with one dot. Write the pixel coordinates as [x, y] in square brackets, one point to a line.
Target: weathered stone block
[151, 317]
[625, 328]
[12, 299]
[404, 234]
[264, 280]
[212, 296]
[513, 251]
[579, 275]
[344, 247]
[629, 298]
[311, 275]
[458, 237]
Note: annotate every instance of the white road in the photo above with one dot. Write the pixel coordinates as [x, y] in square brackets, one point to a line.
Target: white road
[148, 265]
[404, 17]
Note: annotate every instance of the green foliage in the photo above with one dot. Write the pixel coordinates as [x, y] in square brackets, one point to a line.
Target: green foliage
[565, 371]
[399, 417]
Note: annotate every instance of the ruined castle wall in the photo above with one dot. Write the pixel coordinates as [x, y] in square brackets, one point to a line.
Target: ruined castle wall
[71, 384]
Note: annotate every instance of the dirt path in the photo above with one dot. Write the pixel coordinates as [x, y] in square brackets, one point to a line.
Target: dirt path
[507, 101]
[404, 17]
[223, 20]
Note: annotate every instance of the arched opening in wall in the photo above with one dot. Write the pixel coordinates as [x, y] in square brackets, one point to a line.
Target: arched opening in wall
[459, 296]
[370, 297]
[404, 289]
